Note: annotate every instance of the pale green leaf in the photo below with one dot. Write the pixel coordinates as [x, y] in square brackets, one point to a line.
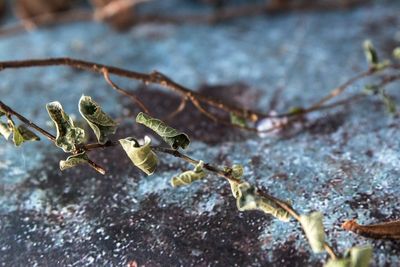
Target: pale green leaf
[237, 120]
[338, 263]
[73, 161]
[21, 133]
[372, 89]
[234, 188]
[5, 130]
[170, 135]
[142, 157]
[68, 136]
[247, 198]
[314, 230]
[101, 124]
[237, 172]
[27, 134]
[18, 139]
[360, 256]
[2, 112]
[382, 65]
[296, 110]
[354, 257]
[396, 52]
[189, 177]
[389, 103]
[370, 53]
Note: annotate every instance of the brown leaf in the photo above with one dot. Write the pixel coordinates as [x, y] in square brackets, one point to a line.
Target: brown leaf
[119, 13]
[386, 230]
[2, 7]
[28, 9]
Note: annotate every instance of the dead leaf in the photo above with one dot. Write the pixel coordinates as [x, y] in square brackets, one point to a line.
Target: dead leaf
[386, 230]
[119, 13]
[2, 7]
[27, 10]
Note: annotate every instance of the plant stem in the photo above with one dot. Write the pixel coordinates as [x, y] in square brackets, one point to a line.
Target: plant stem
[195, 97]
[154, 78]
[29, 123]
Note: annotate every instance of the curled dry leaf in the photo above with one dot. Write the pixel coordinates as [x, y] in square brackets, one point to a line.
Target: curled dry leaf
[386, 230]
[396, 53]
[142, 157]
[5, 130]
[101, 124]
[189, 177]
[22, 134]
[68, 136]
[370, 53]
[73, 161]
[354, 257]
[237, 120]
[314, 229]
[170, 135]
[29, 9]
[247, 198]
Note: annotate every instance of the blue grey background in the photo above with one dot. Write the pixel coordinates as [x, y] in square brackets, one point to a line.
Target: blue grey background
[342, 162]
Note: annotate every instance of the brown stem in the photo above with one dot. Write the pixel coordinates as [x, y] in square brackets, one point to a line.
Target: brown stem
[124, 92]
[166, 82]
[179, 109]
[341, 89]
[387, 230]
[330, 251]
[29, 123]
[96, 167]
[321, 104]
[154, 78]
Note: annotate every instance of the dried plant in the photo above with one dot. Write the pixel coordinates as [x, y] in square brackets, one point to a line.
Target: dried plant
[71, 139]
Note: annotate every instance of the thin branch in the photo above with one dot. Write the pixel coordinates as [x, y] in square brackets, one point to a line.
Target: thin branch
[29, 123]
[203, 111]
[196, 97]
[96, 167]
[330, 251]
[341, 89]
[152, 78]
[124, 92]
[321, 104]
[179, 109]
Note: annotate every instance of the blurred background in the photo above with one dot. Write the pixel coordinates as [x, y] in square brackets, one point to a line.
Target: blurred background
[266, 55]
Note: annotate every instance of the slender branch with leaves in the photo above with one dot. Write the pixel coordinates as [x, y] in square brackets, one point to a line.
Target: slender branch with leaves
[71, 139]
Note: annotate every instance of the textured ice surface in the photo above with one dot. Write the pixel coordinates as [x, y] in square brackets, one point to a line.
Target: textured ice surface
[344, 162]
